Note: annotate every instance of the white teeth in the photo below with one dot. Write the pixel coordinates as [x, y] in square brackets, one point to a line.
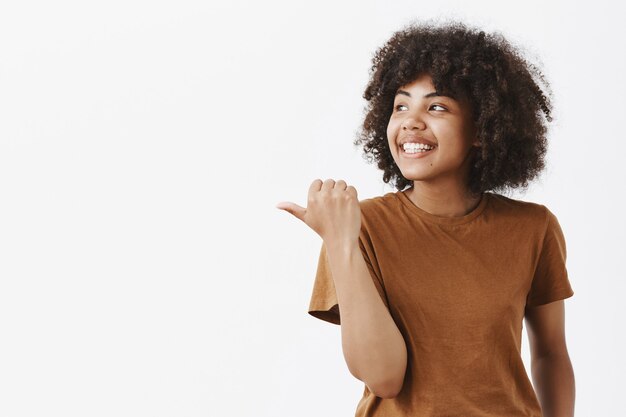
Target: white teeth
[416, 147]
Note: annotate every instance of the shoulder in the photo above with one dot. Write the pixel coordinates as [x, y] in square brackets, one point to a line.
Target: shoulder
[379, 206]
[379, 203]
[514, 205]
[379, 213]
[519, 210]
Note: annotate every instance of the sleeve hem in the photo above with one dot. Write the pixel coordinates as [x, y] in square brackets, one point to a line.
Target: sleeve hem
[330, 314]
[547, 300]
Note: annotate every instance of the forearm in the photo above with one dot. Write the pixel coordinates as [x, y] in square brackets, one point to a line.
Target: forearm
[553, 378]
[373, 347]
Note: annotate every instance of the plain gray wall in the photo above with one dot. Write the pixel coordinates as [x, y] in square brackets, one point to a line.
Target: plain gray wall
[144, 270]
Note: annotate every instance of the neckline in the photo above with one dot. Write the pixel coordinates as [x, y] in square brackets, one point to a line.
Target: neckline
[440, 219]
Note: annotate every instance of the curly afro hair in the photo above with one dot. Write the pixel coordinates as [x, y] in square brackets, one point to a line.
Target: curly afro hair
[509, 109]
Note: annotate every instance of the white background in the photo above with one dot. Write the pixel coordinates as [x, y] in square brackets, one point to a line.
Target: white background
[144, 268]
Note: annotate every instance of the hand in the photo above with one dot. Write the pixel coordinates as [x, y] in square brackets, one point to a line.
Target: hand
[333, 211]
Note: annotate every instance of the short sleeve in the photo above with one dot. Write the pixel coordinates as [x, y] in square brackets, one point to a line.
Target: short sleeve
[550, 281]
[324, 304]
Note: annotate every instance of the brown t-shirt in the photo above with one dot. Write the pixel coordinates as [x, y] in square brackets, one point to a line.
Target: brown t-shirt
[456, 288]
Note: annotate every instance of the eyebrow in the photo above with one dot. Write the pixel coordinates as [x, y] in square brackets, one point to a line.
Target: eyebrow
[433, 94]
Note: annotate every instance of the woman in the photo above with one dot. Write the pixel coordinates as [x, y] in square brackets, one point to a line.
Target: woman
[431, 284]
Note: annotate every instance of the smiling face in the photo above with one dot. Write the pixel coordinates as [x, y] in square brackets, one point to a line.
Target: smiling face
[421, 115]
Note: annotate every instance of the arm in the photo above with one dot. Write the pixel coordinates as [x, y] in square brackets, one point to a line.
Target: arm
[551, 368]
[373, 347]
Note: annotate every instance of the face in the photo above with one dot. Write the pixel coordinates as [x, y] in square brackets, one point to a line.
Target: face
[419, 114]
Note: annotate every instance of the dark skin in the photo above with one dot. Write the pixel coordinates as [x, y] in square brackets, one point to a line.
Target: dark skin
[439, 188]
[439, 179]
[551, 368]
[510, 108]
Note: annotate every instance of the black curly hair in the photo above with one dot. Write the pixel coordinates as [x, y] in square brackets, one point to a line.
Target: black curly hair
[509, 109]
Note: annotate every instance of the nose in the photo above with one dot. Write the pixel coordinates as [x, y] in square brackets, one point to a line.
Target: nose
[413, 122]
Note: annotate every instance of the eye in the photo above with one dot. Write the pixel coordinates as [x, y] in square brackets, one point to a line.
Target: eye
[434, 105]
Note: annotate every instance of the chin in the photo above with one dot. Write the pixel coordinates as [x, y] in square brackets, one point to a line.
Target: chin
[416, 175]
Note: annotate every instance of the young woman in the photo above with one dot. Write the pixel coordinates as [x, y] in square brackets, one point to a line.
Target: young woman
[431, 284]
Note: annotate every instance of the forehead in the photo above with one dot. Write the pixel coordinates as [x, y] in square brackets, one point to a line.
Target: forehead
[422, 87]
[412, 93]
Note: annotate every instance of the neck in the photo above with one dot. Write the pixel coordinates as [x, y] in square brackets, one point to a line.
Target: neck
[443, 203]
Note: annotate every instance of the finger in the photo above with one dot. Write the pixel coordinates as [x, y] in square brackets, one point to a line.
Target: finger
[314, 188]
[292, 208]
[315, 185]
[328, 185]
[352, 191]
[340, 185]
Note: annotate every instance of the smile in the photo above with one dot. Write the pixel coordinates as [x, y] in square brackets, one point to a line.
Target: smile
[419, 154]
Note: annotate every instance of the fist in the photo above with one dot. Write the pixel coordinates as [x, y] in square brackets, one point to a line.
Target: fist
[333, 211]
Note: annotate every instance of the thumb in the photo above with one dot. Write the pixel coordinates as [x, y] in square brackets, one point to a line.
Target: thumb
[292, 208]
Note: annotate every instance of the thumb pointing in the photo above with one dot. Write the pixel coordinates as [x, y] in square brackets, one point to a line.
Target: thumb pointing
[292, 208]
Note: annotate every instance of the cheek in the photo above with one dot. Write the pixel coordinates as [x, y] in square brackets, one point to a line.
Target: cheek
[454, 132]
[390, 134]
[392, 129]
